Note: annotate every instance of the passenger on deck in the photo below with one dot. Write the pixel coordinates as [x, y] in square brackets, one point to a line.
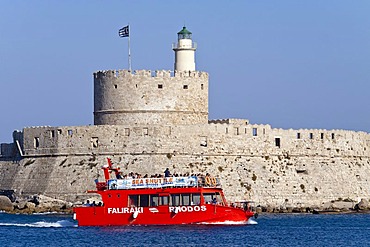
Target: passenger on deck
[214, 201]
[87, 204]
[167, 173]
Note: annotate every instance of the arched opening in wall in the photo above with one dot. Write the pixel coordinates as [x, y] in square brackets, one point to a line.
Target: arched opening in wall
[277, 142]
[201, 86]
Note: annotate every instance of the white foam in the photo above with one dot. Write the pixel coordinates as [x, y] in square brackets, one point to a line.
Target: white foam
[60, 223]
[226, 222]
[251, 222]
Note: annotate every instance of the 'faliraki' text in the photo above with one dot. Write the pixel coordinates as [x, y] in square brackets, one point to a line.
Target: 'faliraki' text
[125, 210]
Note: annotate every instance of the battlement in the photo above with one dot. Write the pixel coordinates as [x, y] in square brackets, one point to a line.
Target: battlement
[229, 121]
[149, 74]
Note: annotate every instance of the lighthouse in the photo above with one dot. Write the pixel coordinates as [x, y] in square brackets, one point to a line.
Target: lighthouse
[184, 51]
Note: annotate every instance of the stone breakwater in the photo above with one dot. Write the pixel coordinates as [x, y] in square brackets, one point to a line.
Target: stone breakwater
[35, 204]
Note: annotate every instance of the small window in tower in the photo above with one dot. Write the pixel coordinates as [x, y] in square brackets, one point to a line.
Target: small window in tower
[185, 87]
[70, 132]
[277, 142]
[36, 142]
[203, 141]
[127, 131]
[115, 85]
[145, 132]
[322, 135]
[332, 135]
[254, 131]
[201, 86]
[160, 86]
[52, 133]
[311, 135]
[298, 135]
[59, 131]
[94, 142]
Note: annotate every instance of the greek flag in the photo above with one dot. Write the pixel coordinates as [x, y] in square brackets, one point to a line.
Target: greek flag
[124, 32]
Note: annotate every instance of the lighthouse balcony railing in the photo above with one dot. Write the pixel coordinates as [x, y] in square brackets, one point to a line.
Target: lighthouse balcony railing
[177, 45]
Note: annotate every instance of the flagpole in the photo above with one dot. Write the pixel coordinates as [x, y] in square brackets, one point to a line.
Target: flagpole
[129, 50]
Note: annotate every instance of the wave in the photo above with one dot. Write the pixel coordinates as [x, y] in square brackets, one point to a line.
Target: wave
[229, 222]
[60, 223]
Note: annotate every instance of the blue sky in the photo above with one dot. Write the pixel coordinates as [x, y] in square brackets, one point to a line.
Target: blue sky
[291, 64]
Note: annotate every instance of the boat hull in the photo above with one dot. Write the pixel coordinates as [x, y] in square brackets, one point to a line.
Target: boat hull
[162, 215]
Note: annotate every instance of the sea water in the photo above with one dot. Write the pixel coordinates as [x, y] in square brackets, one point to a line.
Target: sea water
[268, 230]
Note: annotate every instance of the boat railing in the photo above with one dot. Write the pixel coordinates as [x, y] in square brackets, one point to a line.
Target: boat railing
[163, 182]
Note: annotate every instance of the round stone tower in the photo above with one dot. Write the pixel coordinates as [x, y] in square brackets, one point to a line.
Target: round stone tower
[161, 97]
[184, 51]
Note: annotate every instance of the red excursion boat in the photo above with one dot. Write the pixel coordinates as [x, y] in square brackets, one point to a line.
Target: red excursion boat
[160, 201]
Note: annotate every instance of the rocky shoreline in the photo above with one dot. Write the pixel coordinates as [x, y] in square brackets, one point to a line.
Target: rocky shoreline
[44, 204]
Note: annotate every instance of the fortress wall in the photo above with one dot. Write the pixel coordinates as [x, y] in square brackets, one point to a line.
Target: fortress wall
[219, 139]
[122, 98]
[301, 172]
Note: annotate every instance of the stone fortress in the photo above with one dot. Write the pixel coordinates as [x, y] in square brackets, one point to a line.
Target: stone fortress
[147, 121]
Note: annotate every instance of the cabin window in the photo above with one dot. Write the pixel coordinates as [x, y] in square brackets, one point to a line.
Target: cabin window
[144, 200]
[163, 200]
[133, 200]
[208, 197]
[185, 199]
[219, 198]
[196, 199]
[153, 200]
[175, 200]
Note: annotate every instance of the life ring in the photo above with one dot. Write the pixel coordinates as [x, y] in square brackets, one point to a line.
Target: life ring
[211, 181]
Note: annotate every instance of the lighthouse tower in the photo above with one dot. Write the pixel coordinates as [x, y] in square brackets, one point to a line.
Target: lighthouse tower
[184, 51]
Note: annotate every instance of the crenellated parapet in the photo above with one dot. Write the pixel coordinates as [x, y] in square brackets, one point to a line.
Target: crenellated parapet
[149, 73]
[150, 97]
